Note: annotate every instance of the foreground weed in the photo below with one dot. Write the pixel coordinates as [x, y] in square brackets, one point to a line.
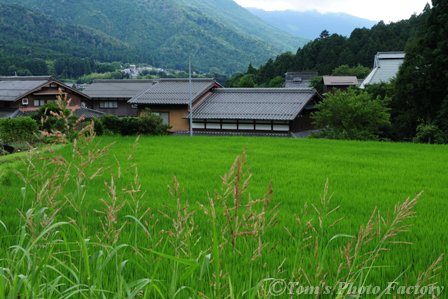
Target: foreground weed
[348, 270]
[239, 231]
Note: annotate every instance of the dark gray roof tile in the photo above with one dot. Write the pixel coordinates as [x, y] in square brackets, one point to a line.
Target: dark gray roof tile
[117, 88]
[173, 91]
[88, 113]
[8, 112]
[79, 111]
[254, 103]
[12, 88]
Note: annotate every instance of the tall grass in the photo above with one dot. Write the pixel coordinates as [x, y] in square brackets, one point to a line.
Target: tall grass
[96, 219]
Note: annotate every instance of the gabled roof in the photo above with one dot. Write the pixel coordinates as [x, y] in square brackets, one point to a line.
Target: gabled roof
[386, 66]
[254, 103]
[117, 88]
[340, 80]
[174, 91]
[14, 88]
[87, 112]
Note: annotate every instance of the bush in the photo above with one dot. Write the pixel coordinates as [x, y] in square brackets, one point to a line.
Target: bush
[109, 123]
[147, 124]
[429, 134]
[18, 129]
[152, 124]
[130, 126]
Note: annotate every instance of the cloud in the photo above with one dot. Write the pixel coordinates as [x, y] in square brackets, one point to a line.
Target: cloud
[386, 10]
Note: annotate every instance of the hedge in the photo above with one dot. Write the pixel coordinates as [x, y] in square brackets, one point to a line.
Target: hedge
[18, 129]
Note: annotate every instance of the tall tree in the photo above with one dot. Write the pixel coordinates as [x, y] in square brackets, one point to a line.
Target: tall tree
[421, 89]
[438, 41]
[324, 34]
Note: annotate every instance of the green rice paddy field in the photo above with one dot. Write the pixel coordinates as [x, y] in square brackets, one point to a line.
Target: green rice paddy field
[362, 177]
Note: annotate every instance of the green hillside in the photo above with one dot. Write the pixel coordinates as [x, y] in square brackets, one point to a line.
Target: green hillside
[167, 31]
[27, 39]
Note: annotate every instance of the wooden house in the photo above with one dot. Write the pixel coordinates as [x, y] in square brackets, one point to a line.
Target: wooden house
[20, 94]
[112, 96]
[170, 99]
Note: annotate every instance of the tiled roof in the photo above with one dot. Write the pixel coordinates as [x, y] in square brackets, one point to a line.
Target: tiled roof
[297, 84]
[254, 103]
[340, 80]
[12, 88]
[386, 65]
[117, 88]
[78, 111]
[88, 113]
[298, 79]
[173, 91]
[8, 112]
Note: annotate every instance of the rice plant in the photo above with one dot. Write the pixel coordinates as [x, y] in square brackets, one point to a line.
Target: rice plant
[153, 218]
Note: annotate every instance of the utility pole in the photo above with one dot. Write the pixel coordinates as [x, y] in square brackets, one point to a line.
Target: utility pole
[191, 96]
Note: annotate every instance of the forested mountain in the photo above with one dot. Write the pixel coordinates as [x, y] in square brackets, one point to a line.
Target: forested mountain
[29, 39]
[310, 24]
[165, 30]
[240, 19]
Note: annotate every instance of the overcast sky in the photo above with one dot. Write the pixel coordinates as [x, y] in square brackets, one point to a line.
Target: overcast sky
[375, 10]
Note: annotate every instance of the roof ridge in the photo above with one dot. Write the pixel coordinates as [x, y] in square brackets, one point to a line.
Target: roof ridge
[89, 109]
[266, 89]
[186, 79]
[26, 78]
[123, 81]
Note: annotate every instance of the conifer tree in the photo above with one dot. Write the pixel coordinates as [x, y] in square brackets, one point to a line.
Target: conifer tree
[421, 92]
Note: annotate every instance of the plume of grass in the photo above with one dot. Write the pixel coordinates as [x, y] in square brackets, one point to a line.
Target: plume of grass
[239, 231]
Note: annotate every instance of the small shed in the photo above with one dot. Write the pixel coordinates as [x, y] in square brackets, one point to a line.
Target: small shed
[338, 82]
